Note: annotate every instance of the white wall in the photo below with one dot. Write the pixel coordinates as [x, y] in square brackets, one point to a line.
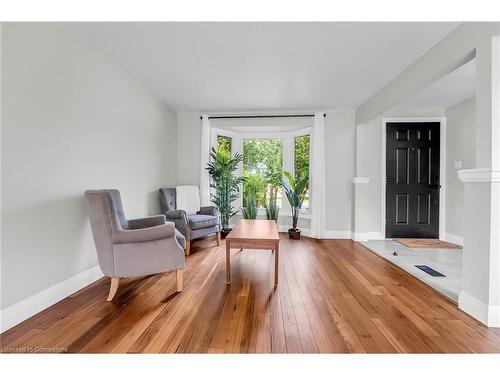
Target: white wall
[460, 123]
[340, 156]
[71, 120]
[188, 148]
[340, 160]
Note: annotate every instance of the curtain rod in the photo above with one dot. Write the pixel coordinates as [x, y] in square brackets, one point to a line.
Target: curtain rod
[259, 116]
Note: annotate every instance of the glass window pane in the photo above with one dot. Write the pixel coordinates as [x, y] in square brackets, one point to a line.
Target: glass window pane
[262, 168]
[301, 162]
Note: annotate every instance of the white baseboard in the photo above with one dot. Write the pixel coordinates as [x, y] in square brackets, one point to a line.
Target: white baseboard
[365, 236]
[337, 234]
[15, 314]
[327, 234]
[489, 315]
[453, 238]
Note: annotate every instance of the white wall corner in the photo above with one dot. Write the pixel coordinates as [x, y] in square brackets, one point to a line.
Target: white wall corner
[489, 315]
[17, 313]
[360, 180]
[453, 238]
[360, 237]
[479, 175]
[367, 236]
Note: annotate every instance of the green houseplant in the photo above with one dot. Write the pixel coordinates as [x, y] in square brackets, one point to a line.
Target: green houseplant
[253, 194]
[272, 209]
[295, 192]
[225, 185]
[250, 209]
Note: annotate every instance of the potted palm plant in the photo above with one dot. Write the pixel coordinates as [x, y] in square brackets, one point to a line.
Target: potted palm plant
[225, 185]
[295, 192]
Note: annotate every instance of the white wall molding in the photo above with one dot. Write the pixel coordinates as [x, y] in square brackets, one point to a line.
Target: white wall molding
[337, 234]
[366, 236]
[479, 175]
[327, 234]
[361, 180]
[30, 306]
[453, 238]
[487, 314]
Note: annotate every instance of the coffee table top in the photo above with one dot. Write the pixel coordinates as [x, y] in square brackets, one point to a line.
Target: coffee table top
[254, 230]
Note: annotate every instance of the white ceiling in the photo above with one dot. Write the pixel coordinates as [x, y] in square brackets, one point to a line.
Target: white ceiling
[219, 67]
[455, 87]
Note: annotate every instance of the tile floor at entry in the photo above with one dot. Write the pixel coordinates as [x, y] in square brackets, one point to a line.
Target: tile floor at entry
[446, 261]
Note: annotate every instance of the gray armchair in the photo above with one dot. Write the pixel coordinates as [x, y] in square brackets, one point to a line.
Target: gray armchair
[137, 247]
[205, 222]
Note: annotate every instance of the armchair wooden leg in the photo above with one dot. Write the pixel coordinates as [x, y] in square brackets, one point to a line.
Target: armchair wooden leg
[188, 247]
[115, 281]
[179, 274]
[218, 238]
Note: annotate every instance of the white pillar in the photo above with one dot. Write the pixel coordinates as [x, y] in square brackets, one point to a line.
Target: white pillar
[204, 159]
[317, 176]
[361, 187]
[480, 295]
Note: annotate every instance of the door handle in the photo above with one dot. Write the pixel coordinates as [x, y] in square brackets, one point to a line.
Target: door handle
[435, 186]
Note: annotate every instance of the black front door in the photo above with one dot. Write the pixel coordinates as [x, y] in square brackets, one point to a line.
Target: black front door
[412, 180]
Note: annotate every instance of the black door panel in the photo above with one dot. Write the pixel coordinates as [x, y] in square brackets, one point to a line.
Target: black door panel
[412, 180]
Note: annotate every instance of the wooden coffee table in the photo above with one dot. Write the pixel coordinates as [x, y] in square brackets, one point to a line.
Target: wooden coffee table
[254, 234]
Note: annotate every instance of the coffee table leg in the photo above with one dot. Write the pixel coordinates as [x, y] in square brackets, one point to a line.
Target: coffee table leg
[228, 262]
[276, 262]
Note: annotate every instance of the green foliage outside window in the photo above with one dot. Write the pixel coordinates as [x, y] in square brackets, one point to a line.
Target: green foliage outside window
[302, 145]
[301, 162]
[262, 168]
[224, 143]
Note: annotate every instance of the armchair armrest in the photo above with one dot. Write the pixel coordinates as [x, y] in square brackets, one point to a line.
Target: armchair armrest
[146, 222]
[209, 210]
[176, 215]
[144, 234]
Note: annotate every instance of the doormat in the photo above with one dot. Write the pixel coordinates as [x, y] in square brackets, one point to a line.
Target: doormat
[430, 271]
[424, 243]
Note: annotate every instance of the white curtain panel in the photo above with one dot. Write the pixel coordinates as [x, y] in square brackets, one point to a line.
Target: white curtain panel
[204, 159]
[317, 176]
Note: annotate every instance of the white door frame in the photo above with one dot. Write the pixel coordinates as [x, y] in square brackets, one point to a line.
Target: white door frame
[442, 166]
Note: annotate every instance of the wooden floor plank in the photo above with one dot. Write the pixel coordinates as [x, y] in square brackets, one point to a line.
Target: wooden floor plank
[334, 296]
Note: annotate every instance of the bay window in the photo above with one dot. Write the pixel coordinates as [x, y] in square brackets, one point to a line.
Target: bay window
[265, 156]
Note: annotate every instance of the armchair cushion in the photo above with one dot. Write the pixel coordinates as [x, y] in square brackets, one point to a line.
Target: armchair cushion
[177, 215]
[209, 210]
[145, 222]
[144, 234]
[202, 221]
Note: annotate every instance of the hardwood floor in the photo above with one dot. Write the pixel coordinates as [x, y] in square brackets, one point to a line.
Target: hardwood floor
[334, 296]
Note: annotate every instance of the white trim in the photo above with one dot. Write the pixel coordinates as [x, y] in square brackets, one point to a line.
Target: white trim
[453, 238]
[337, 234]
[489, 315]
[327, 234]
[30, 306]
[205, 138]
[479, 175]
[442, 166]
[360, 180]
[366, 236]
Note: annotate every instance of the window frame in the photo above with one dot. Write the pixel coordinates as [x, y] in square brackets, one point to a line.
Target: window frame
[288, 139]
